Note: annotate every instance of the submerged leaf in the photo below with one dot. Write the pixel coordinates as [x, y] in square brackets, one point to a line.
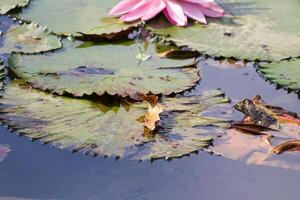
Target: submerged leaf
[260, 143]
[252, 29]
[100, 68]
[7, 5]
[88, 17]
[82, 125]
[284, 74]
[29, 38]
[4, 150]
[254, 150]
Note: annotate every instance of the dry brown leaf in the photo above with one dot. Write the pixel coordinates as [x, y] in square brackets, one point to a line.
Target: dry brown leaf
[293, 145]
[152, 115]
[179, 54]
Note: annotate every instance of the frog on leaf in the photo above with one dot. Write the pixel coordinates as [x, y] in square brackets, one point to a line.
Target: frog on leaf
[269, 121]
[256, 112]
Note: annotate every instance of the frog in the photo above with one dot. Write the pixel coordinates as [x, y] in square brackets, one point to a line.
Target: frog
[257, 112]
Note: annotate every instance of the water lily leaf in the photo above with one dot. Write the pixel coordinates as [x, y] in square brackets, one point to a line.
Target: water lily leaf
[83, 16]
[4, 150]
[84, 125]
[7, 5]
[253, 29]
[101, 68]
[284, 74]
[29, 38]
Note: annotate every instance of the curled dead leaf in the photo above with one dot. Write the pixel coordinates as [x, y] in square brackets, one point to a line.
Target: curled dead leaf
[293, 145]
[152, 115]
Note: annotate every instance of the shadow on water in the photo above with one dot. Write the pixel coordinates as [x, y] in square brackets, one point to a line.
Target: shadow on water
[35, 171]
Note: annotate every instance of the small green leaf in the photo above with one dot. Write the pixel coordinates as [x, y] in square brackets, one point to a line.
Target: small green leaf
[29, 38]
[285, 74]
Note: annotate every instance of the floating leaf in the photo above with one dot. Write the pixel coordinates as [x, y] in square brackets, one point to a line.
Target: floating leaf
[253, 29]
[254, 143]
[7, 5]
[73, 17]
[101, 68]
[4, 150]
[29, 38]
[152, 115]
[284, 74]
[97, 128]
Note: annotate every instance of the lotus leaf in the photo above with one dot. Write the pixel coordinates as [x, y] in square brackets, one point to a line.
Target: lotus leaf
[7, 5]
[95, 127]
[285, 74]
[29, 38]
[74, 17]
[265, 30]
[81, 68]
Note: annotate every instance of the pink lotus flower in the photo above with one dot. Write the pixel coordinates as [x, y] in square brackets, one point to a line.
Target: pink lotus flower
[176, 11]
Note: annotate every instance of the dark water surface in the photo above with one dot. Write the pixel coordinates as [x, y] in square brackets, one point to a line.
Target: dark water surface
[36, 171]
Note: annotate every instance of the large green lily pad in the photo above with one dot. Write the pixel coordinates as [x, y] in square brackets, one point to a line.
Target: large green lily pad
[285, 73]
[73, 17]
[7, 5]
[95, 127]
[124, 69]
[29, 38]
[265, 30]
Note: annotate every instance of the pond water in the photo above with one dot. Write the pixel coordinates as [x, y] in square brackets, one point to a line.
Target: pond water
[36, 171]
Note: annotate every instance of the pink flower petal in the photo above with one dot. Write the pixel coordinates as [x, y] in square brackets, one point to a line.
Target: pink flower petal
[212, 9]
[137, 13]
[199, 1]
[209, 7]
[174, 13]
[126, 6]
[156, 7]
[211, 13]
[193, 11]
